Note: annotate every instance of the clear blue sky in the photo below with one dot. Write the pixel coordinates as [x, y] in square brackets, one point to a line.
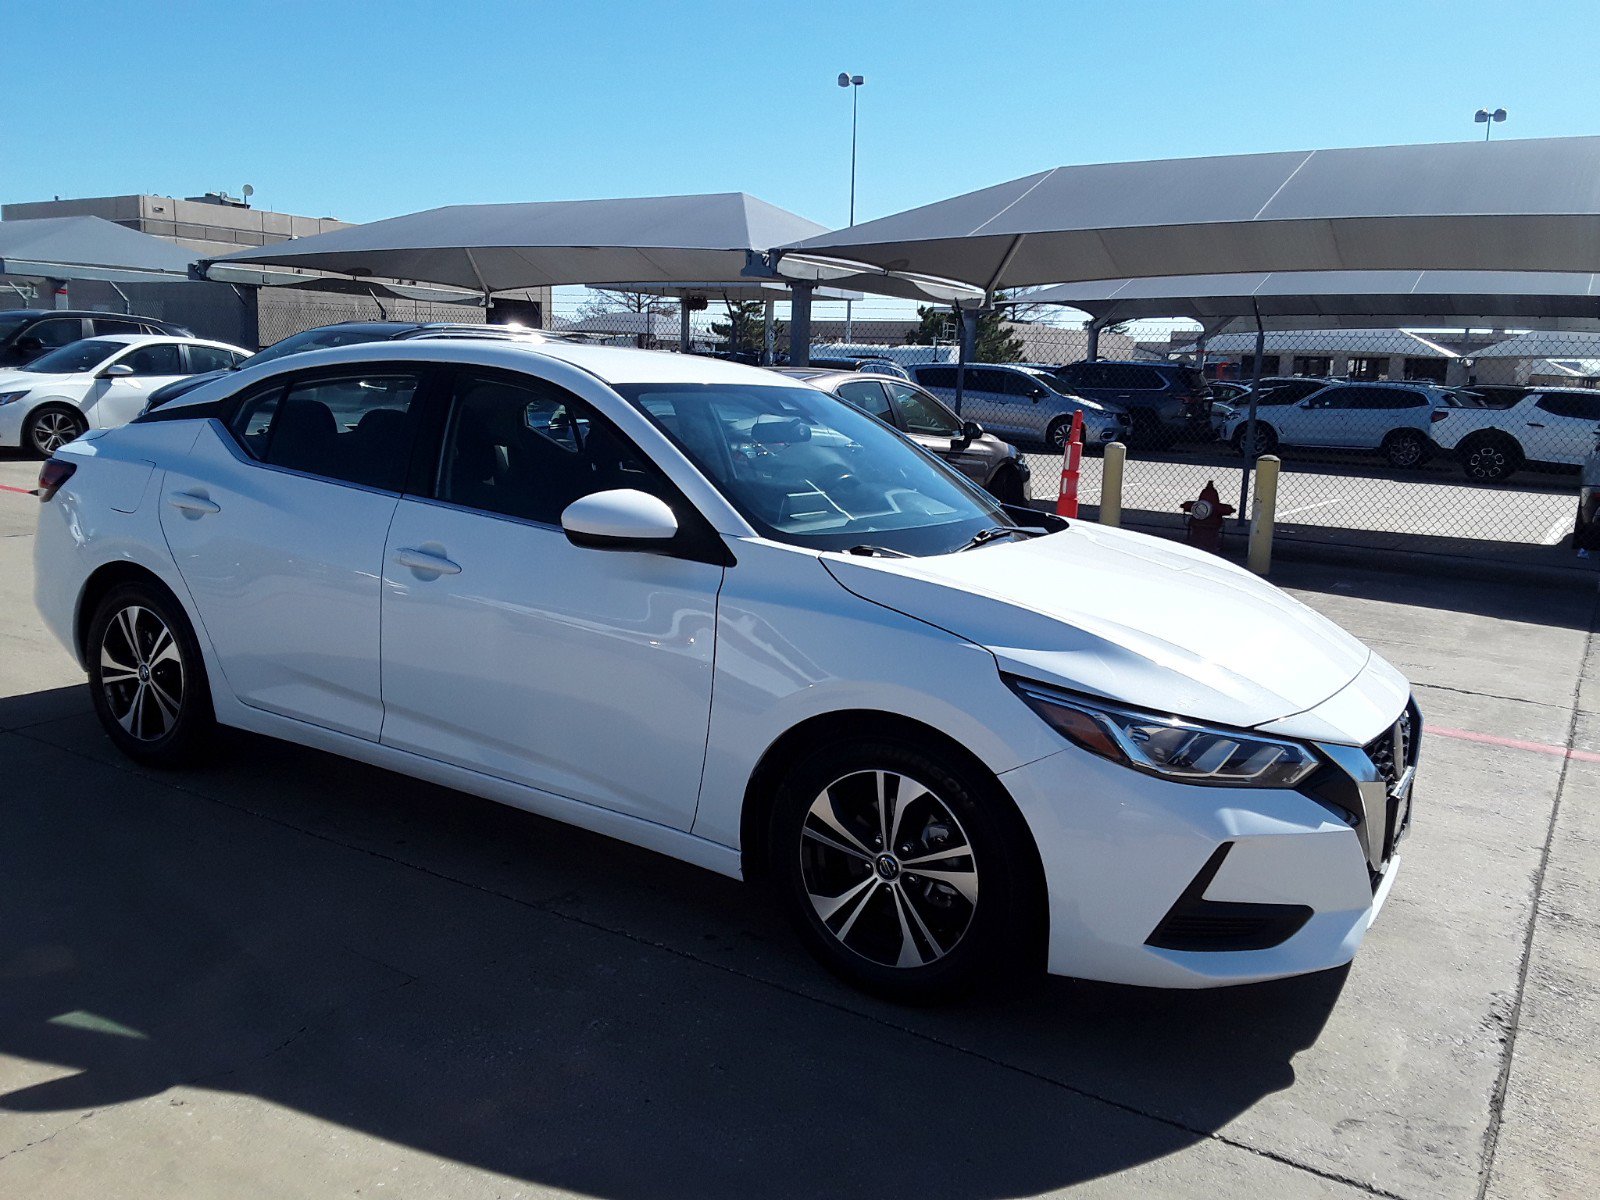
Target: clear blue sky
[366, 110]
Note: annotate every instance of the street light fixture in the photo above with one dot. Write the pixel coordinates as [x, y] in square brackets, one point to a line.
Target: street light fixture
[1489, 119]
[853, 82]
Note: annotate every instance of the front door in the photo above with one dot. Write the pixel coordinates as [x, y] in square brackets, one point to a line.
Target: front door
[114, 400]
[277, 526]
[508, 650]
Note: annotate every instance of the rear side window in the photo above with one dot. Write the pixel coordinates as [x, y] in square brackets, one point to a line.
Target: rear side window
[1572, 404]
[939, 377]
[210, 358]
[106, 326]
[353, 429]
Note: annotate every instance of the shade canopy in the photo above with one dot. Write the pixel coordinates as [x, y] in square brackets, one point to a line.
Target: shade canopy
[1342, 297]
[504, 247]
[1381, 342]
[88, 248]
[734, 290]
[1544, 344]
[1513, 205]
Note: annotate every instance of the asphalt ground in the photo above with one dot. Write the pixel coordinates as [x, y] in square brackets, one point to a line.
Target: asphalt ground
[286, 975]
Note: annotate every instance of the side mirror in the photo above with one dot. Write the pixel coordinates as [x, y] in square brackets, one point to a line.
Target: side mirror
[1038, 392]
[621, 519]
[971, 431]
[116, 371]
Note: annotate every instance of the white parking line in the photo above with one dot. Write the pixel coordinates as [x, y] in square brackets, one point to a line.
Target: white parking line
[1289, 512]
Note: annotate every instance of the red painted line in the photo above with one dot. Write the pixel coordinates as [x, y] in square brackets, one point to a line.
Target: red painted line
[1489, 739]
[6, 487]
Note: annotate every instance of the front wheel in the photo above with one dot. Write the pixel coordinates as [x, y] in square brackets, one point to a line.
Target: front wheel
[1057, 432]
[52, 426]
[904, 871]
[146, 678]
[1266, 440]
[1007, 487]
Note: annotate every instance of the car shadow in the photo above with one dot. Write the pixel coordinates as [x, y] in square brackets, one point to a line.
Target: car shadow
[503, 991]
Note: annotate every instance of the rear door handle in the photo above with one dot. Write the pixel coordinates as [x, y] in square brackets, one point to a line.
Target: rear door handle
[191, 503]
[1535, 424]
[421, 560]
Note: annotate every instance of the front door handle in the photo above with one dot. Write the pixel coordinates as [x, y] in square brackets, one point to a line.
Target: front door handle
[1535, 424]
[421, 560]
[191, 503]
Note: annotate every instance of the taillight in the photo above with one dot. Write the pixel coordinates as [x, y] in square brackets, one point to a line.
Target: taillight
[54, 473]
[1439, 414]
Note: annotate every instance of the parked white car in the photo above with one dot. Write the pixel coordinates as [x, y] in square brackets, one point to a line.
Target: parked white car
[1552, 426]
[709, 611]
[1396, 420]
[1027, 403]
[97, 383]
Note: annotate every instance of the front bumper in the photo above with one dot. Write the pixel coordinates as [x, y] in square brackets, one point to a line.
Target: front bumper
[11, 418]
[1172, 885]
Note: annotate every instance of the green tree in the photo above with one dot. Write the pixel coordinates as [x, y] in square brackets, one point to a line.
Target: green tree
[744, 330]
[995, 343]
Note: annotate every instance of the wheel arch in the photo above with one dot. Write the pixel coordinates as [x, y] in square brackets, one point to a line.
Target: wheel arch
[99, 585]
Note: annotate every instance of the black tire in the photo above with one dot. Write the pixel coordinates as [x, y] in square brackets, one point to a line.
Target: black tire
[1490, 457]
[1057, 432]
[1147, 432]
[146, 678]
[1406, 449]
[1006, 487]
[960, 937]
[51, 426]
[1266, 440]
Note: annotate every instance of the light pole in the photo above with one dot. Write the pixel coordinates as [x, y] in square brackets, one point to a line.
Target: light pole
[1489, 118]
[853, 82]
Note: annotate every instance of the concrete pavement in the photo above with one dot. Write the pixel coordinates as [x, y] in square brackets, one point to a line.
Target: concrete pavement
[287, 975]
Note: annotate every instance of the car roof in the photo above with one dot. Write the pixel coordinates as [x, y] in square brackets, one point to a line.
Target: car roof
[78, 312]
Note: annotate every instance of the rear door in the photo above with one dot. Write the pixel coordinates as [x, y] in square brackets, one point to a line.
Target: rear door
[277, 523]
[1560, 427]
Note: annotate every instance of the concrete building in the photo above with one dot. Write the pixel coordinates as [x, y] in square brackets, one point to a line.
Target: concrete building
[216, 224]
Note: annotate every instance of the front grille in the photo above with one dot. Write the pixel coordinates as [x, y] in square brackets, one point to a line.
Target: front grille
[1395, 749]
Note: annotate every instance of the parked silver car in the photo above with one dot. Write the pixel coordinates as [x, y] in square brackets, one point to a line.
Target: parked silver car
[1028, 403]
[994, 465]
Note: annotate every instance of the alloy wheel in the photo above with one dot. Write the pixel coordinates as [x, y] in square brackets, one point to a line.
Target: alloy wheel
[889, 871]
[1487, 462]
[53, 430]
[141, 672]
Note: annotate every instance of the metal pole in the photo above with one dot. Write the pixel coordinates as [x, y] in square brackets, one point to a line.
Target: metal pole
[769, 336]
[849, 306]
[685, 341]
[1094, 341]
[800, 325]
[969, 339]
[1250, 424]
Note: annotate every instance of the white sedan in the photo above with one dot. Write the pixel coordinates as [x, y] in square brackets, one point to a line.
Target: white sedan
[699, 608]
[97, 383]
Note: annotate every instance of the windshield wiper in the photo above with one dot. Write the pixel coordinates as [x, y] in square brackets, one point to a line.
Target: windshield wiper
[984, 536]
[869, 551]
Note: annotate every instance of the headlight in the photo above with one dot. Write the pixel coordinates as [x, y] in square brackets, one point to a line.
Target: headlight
[1169, 746]
[8, 397]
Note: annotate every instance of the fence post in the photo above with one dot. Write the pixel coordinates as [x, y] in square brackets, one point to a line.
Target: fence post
[1111, 484]
[1263, 517]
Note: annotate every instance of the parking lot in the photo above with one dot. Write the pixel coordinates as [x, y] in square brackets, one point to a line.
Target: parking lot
[291, 975]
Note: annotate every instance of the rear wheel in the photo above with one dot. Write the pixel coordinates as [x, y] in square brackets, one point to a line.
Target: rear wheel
[1405, 448]
[1266, 440]
[50, 427]
[1490, 457]
[904, 871]
[146, 678]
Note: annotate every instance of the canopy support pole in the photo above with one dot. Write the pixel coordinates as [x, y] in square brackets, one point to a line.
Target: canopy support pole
[800, 325]
[769, 334]
[684, 339]
[1250, 423]
[1093, 328]
[968, 345]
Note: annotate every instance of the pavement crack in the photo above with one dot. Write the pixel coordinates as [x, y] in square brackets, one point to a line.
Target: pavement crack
[1460, 691]
[76, 1121]
[1513, 1019]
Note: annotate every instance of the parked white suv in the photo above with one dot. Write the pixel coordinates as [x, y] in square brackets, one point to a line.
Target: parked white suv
[1396, 420]
[97, 383]
[1554, 426]
[723, 615]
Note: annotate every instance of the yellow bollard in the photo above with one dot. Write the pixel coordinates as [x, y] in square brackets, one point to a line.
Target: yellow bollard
[1111, 483]
[1264, 513]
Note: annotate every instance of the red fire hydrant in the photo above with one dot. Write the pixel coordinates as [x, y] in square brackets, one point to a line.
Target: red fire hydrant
[1203, 529]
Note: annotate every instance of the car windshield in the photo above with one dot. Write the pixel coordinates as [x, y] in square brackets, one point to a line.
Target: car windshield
[75, 357]
[810, 470]
[317, 339]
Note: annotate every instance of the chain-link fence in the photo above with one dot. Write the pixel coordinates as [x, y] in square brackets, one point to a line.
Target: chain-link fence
[1425, 438]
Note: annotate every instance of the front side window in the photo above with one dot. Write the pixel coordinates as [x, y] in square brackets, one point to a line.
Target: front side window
[805, 469]
[56, 332]
[525, 448]
[921, 413]
[75, 358]
[158, 359]
[351, 428]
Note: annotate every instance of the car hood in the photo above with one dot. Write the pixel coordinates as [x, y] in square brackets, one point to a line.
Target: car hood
[1127, 617]
[12, 381]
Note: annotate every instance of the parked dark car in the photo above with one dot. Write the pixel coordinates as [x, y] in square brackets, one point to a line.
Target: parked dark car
[1167, 402]
[994, 465]
[347, 333]
[26, 333]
